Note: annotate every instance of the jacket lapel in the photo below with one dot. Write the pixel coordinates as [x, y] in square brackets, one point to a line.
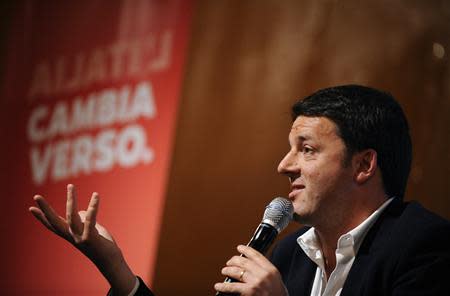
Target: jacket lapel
[374, 241]
[301, 274]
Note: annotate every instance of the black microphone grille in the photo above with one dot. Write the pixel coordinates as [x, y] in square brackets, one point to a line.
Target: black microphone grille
[278, 213]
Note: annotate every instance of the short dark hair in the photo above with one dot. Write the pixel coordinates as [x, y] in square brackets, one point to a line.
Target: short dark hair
[366, 118]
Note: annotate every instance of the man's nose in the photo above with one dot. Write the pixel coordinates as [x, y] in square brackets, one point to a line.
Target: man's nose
[288, 165]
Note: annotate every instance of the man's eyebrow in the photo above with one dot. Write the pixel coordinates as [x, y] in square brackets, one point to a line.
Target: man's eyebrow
[302, 138]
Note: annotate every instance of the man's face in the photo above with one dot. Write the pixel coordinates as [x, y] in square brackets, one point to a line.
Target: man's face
[316, 167]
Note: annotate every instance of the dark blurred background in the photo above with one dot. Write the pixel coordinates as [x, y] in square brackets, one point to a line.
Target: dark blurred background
[248, 62]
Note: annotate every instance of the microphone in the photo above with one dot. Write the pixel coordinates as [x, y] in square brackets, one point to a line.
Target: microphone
[278, 214]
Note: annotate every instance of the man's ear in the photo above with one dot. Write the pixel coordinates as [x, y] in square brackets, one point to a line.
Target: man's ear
[365, 164]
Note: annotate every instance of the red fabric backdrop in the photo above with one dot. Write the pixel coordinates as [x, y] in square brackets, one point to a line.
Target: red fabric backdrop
[90, 97]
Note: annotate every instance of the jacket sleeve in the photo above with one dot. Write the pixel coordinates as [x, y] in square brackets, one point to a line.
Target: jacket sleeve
[143, 290]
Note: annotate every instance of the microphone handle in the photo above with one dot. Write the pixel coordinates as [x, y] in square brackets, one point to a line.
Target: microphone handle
[261, 241]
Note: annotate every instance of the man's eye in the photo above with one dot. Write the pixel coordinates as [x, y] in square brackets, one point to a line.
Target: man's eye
[307, 150]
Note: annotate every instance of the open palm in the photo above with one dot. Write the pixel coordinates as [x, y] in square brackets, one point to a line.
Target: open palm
[81, 229]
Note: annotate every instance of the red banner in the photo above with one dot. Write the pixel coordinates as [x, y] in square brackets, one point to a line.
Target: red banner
[89, 97]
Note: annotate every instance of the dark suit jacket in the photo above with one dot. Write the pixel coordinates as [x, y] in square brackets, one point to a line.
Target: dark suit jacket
[406, 252]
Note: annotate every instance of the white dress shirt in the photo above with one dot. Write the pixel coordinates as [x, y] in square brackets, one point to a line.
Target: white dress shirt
[347, 248]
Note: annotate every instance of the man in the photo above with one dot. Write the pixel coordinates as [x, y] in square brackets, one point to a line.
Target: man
[348, 166]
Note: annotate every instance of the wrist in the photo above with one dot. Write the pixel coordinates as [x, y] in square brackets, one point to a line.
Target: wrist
[119, 275]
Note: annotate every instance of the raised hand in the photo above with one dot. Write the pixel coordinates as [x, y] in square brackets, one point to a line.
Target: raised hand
[93, 240]
[256, 275]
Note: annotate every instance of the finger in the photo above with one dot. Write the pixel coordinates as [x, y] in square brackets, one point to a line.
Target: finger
[254, 255]
[249, 252]
[82, 215]
[38, 214]
[263, 267]
[91, 216]
[58, 223]
[73, 219]
[244, 264]
[237, 261]
[235, 272]
[235, 287]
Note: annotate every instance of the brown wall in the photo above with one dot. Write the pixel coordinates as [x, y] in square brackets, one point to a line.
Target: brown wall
[249, 61]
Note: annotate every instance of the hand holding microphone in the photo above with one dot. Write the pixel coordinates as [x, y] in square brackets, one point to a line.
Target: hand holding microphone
[256, 274]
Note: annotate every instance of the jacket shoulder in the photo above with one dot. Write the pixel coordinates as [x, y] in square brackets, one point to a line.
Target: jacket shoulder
[416, 223]
[403, 253]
